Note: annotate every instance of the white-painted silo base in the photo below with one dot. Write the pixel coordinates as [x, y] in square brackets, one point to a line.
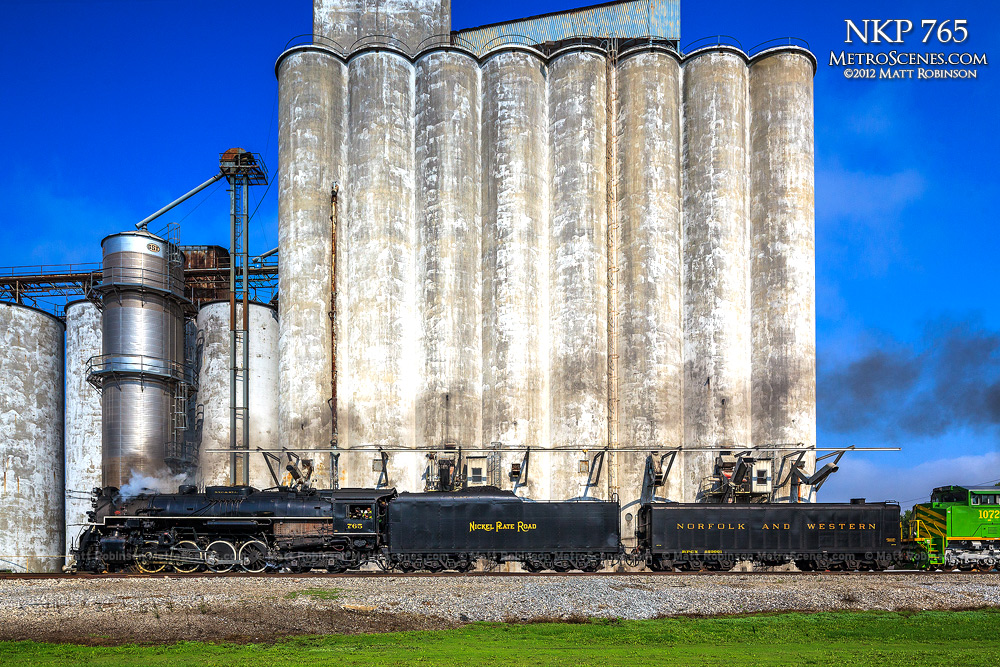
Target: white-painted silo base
[82, 419]
[32, 531]
[212, 428]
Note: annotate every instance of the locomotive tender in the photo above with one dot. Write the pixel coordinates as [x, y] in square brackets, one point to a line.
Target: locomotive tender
[241, 528]
[815, 536]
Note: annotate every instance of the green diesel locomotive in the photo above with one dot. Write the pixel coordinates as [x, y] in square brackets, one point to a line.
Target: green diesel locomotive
[958, 528]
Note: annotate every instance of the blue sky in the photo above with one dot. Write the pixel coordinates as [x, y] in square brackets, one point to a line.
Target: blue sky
[110, 109]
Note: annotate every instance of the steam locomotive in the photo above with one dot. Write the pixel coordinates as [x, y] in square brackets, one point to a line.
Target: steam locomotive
[299, 529]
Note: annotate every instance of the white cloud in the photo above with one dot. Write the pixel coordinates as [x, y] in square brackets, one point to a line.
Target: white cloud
[858, 479]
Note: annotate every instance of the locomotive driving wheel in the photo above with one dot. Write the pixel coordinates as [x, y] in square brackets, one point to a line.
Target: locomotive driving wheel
[253, 556]
[220, 556]
[146, 560]
[187, 551]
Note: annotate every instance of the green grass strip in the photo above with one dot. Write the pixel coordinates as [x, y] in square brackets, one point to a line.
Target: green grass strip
[843, 638]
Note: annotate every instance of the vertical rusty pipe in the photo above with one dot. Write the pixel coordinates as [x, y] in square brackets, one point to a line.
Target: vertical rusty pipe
[334, 460]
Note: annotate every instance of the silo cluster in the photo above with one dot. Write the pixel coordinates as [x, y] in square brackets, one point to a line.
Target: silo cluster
[567, 247]
[553, 256]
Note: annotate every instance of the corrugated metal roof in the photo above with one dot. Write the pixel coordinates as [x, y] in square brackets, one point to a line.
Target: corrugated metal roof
[659, 19]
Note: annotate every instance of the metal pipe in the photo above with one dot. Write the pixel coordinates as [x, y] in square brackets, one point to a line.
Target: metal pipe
[267, 254]
[145, 221]
[567, 449]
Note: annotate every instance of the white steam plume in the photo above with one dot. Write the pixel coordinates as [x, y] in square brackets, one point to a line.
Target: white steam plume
[140, 483]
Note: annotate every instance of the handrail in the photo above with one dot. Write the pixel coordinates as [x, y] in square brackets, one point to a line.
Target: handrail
[139, 364]
[314, 39]
[712, 40]
[140, 277]
[779, 41]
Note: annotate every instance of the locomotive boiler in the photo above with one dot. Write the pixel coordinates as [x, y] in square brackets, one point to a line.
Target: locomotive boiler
[236, 527]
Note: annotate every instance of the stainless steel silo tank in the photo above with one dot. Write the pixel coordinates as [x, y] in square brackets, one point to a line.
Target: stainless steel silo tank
[141, 370]
[212, 428]
[32, 532]
[82, 420]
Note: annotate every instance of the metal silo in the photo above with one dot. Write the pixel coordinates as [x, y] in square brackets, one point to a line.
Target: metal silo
[82, 419]
[578, 269]
[312, 87]
[649, 209]
[141, 373]
[515, 215]
[784, 256]
[377, 322]
[448, 250]
[212, 424]
[32, 529]
[716, 259]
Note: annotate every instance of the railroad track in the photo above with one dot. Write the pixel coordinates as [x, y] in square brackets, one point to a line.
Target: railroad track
[471, 575]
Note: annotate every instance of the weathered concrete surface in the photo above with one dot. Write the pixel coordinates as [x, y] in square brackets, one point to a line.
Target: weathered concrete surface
[649, 213]
[515, 261]
[406, 24]
[32, 531]
[784, 256]
[81, 416]
[449, 402]
[409, 323]
[578, 269]
[378, 327]
[212, 426]
[716, 261]
[312, 87]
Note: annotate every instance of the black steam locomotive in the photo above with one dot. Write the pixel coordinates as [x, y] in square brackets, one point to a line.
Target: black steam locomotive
[241, 528]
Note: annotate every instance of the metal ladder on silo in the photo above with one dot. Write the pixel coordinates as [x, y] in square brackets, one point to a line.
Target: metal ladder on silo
[239, 359]
[178, 453]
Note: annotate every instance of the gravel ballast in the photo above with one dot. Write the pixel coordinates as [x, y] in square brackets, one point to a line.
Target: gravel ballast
[155, 610]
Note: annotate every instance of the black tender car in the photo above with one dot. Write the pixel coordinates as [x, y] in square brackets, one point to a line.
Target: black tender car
[691, 536]
[436, 531]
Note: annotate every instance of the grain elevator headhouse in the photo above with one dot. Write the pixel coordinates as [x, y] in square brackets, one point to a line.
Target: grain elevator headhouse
[541, 253]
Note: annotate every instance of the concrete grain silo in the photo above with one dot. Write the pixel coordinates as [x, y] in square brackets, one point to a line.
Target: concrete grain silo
[448, 250]
[32, 523]
[312, 89]
[555, 244]
[649, 210]
[515, 154]
[716, 259]
[82, 415]
[376, 389]
[578, 295]
[783, 255]
[212, 427]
